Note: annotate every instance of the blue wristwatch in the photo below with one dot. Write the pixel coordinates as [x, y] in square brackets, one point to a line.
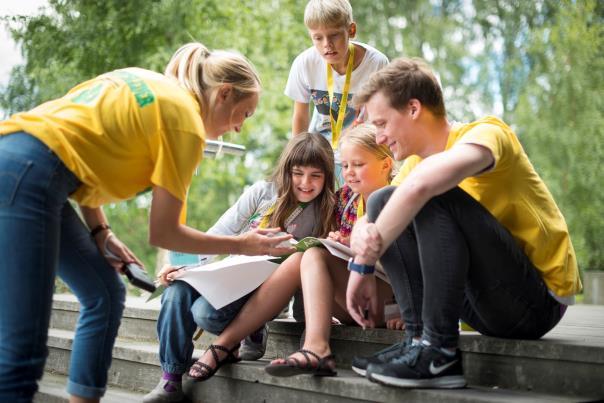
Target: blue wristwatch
[362, 269]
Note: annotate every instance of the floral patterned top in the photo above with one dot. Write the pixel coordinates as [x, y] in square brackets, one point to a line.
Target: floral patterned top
[347, 203]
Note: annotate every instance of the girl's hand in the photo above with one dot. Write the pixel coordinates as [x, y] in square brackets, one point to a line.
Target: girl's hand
[266, 242]
[168, 274]
[338, 237]
[345, 240]
[115, 251]
[334, 236]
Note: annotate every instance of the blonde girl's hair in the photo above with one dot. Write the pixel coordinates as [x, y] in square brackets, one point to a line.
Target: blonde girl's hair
[202, 72]
[328, 14]
[305, 150]
[364, 136]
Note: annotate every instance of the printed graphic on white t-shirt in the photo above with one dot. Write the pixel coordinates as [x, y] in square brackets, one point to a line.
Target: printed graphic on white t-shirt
[307, 82]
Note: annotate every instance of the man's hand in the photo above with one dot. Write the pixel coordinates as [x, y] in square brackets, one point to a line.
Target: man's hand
[266, 242]
[361, 299]
[365, 242]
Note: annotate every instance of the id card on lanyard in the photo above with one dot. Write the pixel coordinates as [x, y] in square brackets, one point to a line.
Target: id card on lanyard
[336, 125]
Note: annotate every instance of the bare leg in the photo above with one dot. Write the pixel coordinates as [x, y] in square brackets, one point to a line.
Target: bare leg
[263, 305]
[339, 274]
[320, 273]
[318, 290]
[324, 281]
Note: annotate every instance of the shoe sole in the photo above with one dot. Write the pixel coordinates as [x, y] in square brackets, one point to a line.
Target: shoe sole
[360, 371]
[444, 382]
[285, 371]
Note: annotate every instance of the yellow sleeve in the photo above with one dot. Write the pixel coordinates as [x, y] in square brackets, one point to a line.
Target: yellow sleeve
[178, 155]
[491, 136]
[410, 163]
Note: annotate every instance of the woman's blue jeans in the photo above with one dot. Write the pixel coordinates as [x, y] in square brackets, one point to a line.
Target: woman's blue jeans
[457, 261]
[42, 236]
[183, 309]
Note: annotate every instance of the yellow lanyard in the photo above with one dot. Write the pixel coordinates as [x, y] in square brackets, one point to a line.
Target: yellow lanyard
[266, 217]
[360, 207]
[264, 222]
[336, 127]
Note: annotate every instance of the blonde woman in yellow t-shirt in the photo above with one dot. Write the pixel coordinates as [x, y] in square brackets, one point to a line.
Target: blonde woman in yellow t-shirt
[471, 232]
[106, 140]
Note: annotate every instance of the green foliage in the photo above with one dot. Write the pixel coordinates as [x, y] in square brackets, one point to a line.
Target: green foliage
[561, 116]
[80, 39]
[436, 31]
[538, 64]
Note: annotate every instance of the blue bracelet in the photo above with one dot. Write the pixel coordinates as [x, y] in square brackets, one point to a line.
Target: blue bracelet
[362, 269]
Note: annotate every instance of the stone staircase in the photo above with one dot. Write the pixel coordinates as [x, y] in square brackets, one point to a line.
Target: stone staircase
[567, 365]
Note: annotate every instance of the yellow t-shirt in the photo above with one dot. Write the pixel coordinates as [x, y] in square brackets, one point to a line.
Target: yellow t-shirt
[121, 133]
[517, 197]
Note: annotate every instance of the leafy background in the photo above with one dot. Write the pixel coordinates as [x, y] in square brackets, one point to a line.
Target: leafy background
[537, 64]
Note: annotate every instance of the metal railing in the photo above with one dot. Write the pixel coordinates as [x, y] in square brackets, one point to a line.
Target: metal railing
[215, 148]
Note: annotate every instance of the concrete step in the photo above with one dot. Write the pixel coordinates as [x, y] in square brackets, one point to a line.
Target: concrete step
[138, 322]
[135, 367]
[567, 361]
[135, 364]
[52, 390]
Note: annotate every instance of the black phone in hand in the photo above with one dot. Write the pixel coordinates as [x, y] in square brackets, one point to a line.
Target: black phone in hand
[138, 277]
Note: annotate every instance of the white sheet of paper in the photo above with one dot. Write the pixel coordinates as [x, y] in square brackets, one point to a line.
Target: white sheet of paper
[228, 280]
[337, 249]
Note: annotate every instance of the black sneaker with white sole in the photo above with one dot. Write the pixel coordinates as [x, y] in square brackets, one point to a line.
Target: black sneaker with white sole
[421, 367]
[360, 364]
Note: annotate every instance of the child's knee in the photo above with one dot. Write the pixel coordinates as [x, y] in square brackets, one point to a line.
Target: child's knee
[209, 318]
[293, 261]
[177, 292]
[312, 255]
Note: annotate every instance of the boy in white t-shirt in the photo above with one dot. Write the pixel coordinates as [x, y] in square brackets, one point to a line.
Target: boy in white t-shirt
[331, 27]
[349, 65]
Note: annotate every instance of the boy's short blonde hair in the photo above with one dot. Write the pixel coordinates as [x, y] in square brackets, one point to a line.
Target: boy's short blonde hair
[328, 13]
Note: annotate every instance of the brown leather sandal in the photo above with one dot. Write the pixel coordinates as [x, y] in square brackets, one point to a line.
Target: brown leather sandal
[207, 371]
[292, 366]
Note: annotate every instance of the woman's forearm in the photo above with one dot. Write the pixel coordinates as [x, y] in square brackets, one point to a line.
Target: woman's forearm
[93, 217]
[189, 240]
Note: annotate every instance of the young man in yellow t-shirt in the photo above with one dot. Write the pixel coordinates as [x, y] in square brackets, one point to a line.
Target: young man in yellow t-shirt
[470, 232]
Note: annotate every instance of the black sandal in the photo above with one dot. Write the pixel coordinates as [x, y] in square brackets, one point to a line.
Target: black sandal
[292, 366]
[207, 371]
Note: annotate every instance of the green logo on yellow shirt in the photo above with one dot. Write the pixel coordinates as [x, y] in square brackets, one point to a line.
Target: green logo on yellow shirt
[143, 94]
[88, 95]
